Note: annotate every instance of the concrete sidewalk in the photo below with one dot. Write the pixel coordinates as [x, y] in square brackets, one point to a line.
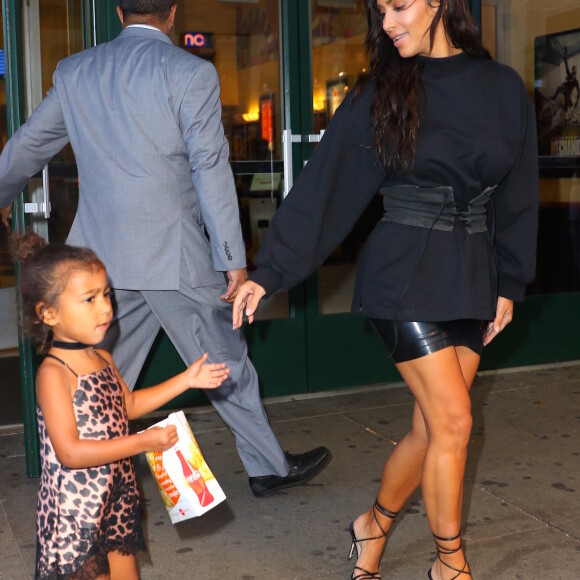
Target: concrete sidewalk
[521, 505]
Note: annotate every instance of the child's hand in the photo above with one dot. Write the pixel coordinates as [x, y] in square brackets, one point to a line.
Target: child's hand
[206, 376]
[161, 438]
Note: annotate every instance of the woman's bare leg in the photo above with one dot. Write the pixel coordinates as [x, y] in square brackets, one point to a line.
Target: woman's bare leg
[402, 473]
[401, 477]
[440, 389]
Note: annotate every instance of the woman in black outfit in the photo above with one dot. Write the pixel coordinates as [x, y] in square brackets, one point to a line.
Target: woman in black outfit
[448, 137]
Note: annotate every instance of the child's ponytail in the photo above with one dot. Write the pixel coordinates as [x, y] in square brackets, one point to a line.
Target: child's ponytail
[24, 246]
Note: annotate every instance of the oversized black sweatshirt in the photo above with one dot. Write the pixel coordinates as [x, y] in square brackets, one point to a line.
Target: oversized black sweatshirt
[459, 229]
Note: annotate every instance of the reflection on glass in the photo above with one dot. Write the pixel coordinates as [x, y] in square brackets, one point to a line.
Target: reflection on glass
[542, 45]
[338, 29]
[242, 40]
[56, 26]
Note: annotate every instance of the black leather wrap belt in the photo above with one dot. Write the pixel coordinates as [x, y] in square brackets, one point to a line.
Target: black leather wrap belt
[434, 208]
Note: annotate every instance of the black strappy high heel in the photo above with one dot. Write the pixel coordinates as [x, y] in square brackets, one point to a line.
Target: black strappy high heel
[446, 551]
[365, 574]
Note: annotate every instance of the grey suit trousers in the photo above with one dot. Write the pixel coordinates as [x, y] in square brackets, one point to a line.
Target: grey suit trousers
[197, 321]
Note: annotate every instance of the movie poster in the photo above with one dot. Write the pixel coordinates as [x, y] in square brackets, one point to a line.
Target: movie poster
[557, 59]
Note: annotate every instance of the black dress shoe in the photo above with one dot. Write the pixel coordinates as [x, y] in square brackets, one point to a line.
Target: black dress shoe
[303, 467]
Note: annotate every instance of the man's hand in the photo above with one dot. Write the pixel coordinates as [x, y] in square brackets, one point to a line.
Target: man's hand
[248, 298]
[503, 316]
[235, 279]
[6, 214]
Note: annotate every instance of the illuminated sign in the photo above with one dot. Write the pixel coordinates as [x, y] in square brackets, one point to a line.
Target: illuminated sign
[198, 40]
[267, 118]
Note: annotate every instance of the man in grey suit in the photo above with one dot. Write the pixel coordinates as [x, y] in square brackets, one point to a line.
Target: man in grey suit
[144, 120]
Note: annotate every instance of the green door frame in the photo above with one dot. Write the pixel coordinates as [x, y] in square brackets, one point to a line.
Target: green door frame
[105, 25]
[12, 28]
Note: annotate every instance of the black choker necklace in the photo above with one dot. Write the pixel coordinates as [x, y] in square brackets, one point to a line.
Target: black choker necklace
[70, 345]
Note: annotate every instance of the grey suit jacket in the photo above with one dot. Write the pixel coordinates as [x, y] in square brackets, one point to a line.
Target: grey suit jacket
[144, 120]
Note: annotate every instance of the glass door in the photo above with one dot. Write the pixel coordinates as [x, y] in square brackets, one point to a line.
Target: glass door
[48, 204]
[9, 334]
[243, 41]
[56, 26]
[284, 67]
[343, 350]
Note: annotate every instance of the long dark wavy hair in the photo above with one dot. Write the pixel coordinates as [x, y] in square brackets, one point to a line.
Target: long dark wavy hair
[396, 109]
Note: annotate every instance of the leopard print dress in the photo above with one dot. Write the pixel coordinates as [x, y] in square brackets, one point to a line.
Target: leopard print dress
[83, 514]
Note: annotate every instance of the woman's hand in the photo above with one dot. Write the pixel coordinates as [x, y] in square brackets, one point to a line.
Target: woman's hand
[246, 302]
[206, 376]
[503, 316]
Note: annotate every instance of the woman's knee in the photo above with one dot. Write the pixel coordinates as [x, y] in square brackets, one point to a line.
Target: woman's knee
[453, 428]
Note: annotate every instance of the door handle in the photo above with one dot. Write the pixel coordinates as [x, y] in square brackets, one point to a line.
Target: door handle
[287, 139]
[44, 206]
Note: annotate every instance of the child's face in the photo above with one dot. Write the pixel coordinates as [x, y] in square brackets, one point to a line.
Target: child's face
[84, 309]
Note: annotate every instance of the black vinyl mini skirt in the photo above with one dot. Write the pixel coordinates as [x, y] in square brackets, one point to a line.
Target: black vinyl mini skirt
[409, 340]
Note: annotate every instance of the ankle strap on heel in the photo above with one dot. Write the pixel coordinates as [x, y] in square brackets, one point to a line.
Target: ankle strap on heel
[445, 551]
[377, 507]
[366, 574]
[384, 511]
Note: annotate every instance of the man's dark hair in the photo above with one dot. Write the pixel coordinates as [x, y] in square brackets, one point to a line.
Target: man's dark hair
[156, 9]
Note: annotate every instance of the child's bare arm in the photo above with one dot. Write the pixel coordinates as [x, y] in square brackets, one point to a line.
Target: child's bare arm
[200, 375]
[55, 400]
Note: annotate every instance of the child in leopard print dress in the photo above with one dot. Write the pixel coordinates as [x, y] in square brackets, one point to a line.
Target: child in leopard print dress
[88, 517]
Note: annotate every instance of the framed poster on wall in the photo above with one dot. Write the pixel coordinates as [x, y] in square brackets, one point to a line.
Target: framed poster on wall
[557, 95]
